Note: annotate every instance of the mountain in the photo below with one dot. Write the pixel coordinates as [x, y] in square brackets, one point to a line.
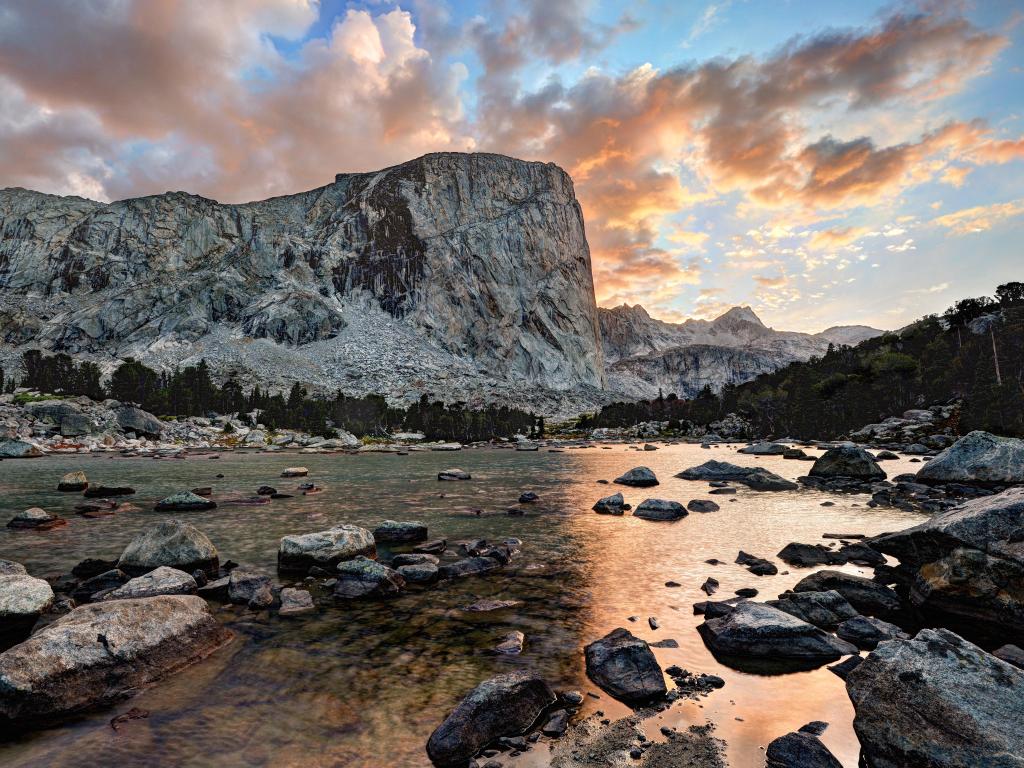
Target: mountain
[467, 276]
[643, 355]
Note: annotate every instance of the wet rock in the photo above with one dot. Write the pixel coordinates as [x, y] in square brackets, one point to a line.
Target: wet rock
[18, 449]
[159, 581]
[511, 644]
[413, 558]
[723, 491]
[435, 547]
[95, 587]
[136, 420]
[36, 519]
[764, 449]
[847, 461]
[469, 566]
[99, 652]
[763, 480]
[454, 474]
[92, 566]
[716, 470]
[107, 491]
[23, 599]
[757, 630]
[419, 573]
[624, 666]
[937, 701]
[266, 490]
[799, 750]
[216, 589]
[1011, 654]
[794, 454]
[557, 722]
[250, 588]
[863, 594]
[886, 456]
[746, 592]
[364, 578]
[185, 501]
[756, 565]
[714, 609]
[710, 586]
[295, 602]
[325, 549]
[173, 543]
[845, 667]
[405, 532]
[866, 632]
[506, 705]
[825, 609]
[73, 482]
[638, 477]
[702, 505]
[203, 490]
[610, 505]
[660, 509]
[668, 642]
[528, 497]
[295, 472]
[491, 604]
[978, 457]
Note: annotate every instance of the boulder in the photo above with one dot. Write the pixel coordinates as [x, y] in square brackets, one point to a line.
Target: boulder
[806, 555]
[22, 599]
[102, 651]
[799, 750]
[863, 594]
[967, 561]
[1011, 654]
[75, 482]
[251, 588]
[506, 705]
[159, 581]
[294, 472]
[886, 456]
[847, 461]
[295, 602]
[759, 631]
[185, 501]
[624, 667]
[610, 505]
[414, 558]
[660, 509]
[937, 701]
[173, 543]
[300, 552]
[394, 532]
[365, 578]
[764, 449]
[36, 519]
[470, 566]
[419, 573]
[977, 458]
[716, 470]
[756, 565]
[763, 480]
[638, 477]
[822, 609]
[136, 420]
[702, 505]
[454, 474]
[18, 449]
[866, 632]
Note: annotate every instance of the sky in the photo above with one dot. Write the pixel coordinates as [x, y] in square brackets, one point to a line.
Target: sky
[824, 163]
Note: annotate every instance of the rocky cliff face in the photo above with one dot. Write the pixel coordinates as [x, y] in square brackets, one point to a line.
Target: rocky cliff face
[467, 276]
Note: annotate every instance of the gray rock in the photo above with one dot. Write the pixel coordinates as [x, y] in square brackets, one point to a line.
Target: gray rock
[847, 461]
[294, 472]
[419, 573]
[610, 505]
[756, 565]
[10, 568]
[140, 422]
[295, 602]
[251, 588]
[638, 477]
[978, 457]
[759, 631]
[18, 449]
[822, 609]
[36, 519]
[469, 566]
[405, 532]
[300, 552]
[99, 652]
[454, 474]
[886, 456]
[764, 449]
[1011, 654]
[937, 701]
[74, 482]
[365, 578]
[660, 509]
[511, 644]
[624, 666]
[863, 594]
[22, 600]
[185, 501]
[506, 705]
[763, 480]
[159, 581]
[799, 750]
[95, 587]
[702, 505]
[414, 558]
[716, 470]
[173, 543]
[866, 632]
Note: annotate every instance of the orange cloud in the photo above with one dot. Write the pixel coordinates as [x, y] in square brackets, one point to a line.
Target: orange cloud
[836, 237]
[980, 218]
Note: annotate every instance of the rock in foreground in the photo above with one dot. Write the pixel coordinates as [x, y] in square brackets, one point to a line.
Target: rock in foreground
[101, 651]
[506, 705]
[22, 599]
[800, 750]
[937, 701]
[624, 666]
[979, 458]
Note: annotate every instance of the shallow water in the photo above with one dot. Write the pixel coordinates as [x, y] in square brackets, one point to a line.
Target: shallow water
[365, 684]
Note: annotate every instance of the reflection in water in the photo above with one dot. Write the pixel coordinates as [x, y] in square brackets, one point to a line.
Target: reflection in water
[364, 684]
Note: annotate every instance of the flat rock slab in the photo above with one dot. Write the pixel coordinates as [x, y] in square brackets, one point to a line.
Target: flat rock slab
[400, 532]
[865, 595]
[300, 552]
[101, 651]
[159, 581]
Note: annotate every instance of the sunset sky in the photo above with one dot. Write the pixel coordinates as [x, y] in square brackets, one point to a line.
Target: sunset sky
[826, 163]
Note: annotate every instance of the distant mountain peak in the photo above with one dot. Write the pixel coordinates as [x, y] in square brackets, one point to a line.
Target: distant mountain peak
[739, 314]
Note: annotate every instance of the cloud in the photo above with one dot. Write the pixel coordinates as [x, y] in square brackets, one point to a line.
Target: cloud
[777, 281]
[835, 237]
[980, 218]
[709, 18]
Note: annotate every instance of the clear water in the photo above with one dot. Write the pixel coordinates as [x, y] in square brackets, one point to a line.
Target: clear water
[365, 684]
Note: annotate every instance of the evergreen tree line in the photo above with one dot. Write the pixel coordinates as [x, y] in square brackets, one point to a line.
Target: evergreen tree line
[974, 351]
[191, 391]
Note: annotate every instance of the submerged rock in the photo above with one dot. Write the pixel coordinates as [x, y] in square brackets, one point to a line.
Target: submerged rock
[610, 505]
[469, 566]
[394, 532]
[977, 457]
[185, 501]
[638, 477]
[173, 543]
[159, 581]
[506, 705]
[847, 461]
[325, 549]
[73, 482]
[660, 509]
[757, 630]
[863, 594]
[937, 701]
[107, 491]
[365, 578]
[624, 666]
[99, 652]
[295, 602]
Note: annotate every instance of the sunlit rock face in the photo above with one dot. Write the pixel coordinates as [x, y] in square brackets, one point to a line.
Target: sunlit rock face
[467, 276]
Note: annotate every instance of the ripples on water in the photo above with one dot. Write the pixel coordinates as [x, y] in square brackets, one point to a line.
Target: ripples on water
[365, 684]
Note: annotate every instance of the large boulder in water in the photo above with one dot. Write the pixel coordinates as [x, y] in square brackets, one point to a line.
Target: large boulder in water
[638, 477]
[759, 631]
[99, 652]
[74, 482]
[937, 701]
[865, 595]
[173, 543]
[716, 470]
[506, 705]
[18, 449]
[143, 423]
[967, 561]
[610, 505]
[847, 461]
[659, 509]
[22, 599]
[624, 666]
[299, 552]
[978, 457]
